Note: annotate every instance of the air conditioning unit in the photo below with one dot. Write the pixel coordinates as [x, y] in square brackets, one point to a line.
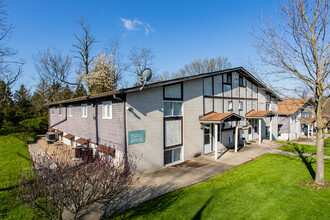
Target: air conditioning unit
[51, 137]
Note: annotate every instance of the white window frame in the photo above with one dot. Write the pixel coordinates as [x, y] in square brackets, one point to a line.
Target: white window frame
[230, 104]
[53, 110]
[60, 111]
[82, 110]
[240, 105]
[174, 162]
[172, 108]
[104, 105]
[70, 110]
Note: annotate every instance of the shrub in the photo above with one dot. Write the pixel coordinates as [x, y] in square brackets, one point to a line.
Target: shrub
[38, 125]
[50, 188]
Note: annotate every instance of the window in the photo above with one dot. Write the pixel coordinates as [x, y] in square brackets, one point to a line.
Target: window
[230, 106]
[71, 143]
[229, 78]
[230, 139]
[53, 110]
[173, 92]
[60, 111]
[172, 155]
[267, 131]
[61, 138]
[240, 106]
[107, 110]
[173, 132]
[267, 106]
[84, 110]
[71, 110]
[172, 108]
[241, 81]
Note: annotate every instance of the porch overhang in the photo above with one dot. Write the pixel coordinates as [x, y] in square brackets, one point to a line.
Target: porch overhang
[218, 118]
[259, 114]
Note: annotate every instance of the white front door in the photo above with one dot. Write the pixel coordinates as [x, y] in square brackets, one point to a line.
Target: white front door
[250, 133]
[207, 138]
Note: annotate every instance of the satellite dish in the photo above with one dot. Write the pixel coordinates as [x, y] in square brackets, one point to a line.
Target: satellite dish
[146, 76]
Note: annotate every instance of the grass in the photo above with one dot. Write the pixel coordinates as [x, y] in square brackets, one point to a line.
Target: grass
[13, 154]
[266, 188]
[304, 148]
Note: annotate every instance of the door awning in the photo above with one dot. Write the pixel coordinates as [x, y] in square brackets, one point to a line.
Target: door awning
[218, 118]
[259, 114]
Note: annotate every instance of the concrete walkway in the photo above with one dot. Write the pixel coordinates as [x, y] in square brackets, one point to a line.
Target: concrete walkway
[39, 156]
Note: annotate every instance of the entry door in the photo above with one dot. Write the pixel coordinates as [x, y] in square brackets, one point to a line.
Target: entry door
[207, 138]
[250, 133]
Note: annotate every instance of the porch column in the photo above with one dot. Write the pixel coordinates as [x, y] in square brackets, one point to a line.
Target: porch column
[270, 130]
[259, 131]
[236, 137]
[216, 141]
[312, 129]
[308, 127]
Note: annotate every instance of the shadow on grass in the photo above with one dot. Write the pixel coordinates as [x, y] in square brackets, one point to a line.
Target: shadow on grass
[23, 156]
[198, 215]
[308, 161]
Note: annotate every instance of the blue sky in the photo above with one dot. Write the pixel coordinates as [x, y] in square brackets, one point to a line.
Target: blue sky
[178, 32]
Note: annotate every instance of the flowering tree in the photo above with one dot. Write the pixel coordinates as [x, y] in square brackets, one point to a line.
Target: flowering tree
[102, 77]
[49, 190]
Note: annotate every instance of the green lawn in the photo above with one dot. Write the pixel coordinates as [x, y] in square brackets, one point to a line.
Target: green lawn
[266, 188]
[13, 154]
[304, 148]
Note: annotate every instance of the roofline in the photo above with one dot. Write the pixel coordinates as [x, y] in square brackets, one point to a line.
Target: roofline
[164, 83]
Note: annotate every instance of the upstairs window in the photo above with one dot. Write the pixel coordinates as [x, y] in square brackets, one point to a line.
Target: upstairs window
[53, 110]
[268, 107]
[240, 106]
[60, 111]
[172, 108]
[230, 106]
[107, 110]
[71, 110]
[84, 110]
[241, 81]
[229, 78]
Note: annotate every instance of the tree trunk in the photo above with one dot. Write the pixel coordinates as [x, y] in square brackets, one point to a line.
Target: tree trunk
[319, 175]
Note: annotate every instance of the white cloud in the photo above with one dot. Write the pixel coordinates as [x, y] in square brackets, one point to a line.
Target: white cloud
[133, 25]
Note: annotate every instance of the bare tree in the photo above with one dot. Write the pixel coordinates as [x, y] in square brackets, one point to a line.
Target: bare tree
[297, 47]
[204, 66]
[113, 48]
[83, 48]
[54, 70]
[10, 69]
[140, 59]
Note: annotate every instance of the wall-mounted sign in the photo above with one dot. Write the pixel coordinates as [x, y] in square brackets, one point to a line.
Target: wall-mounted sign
[135, 137]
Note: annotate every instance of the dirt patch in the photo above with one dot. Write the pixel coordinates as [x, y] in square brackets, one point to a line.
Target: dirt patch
[312, 185]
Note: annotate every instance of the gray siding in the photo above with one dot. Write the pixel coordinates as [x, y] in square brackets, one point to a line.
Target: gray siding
[192, 109]
[99, 130]
[147, 114]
